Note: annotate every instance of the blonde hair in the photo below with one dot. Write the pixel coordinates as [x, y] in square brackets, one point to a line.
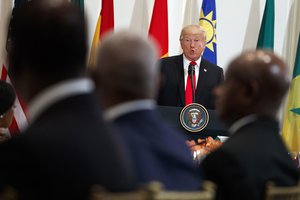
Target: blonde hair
[193, 29]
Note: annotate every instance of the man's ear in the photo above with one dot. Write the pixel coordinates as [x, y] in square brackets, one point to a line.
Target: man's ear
[251, 92]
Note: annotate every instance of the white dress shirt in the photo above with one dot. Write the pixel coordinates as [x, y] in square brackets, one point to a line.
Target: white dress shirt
[186, 64]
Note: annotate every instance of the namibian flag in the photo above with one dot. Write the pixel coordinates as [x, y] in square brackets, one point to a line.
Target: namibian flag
[208, 21]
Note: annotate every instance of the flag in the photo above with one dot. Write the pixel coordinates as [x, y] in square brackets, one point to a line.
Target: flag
[19, 120]
[79, 3]
[291, 123]
[191, 13]
[208, 20]
[139, 17]
[105, 23]
[159, 26]
[266, 33]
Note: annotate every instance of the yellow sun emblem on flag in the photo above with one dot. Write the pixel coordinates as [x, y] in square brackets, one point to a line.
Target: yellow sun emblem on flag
[210, 27]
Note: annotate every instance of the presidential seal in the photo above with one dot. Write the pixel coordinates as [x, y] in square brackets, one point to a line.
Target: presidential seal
[194, 117]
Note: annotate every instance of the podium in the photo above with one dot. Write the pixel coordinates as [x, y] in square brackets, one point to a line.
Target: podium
[215, 126]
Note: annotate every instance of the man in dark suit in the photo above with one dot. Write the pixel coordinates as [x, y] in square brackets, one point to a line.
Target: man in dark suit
[174, 72]
[67, 148]
[248, 100]
[127, 79]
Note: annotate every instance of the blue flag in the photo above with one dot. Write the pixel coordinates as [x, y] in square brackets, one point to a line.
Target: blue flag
[208, 20]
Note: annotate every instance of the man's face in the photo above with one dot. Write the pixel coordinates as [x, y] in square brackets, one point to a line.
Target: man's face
[192, 45]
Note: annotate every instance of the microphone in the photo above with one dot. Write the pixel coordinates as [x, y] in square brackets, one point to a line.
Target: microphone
[191, 72]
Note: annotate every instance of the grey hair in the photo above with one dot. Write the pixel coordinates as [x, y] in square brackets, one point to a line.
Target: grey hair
[132, 60]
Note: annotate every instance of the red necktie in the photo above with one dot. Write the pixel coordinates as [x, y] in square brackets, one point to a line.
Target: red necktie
[188, 89]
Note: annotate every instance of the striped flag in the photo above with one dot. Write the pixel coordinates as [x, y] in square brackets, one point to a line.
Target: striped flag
[208, 20]
[19, 120]
[159, 26]
[105, 23]
[291, 123]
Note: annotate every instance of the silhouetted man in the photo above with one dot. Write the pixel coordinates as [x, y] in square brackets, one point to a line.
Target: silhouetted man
[67, 147]
[248, 100]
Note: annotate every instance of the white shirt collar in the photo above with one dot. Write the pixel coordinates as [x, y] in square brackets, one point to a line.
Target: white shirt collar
[57, 92]
[241, 122]
[186, 63]
[127, 107]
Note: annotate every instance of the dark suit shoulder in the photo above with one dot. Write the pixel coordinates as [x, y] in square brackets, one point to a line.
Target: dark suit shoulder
[171, 61]
[211, 65]
[213, 69]
[172, 58]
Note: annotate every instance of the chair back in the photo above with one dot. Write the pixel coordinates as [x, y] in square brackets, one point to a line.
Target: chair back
[274, 192]
[154, 191]
[99, 193]
[157, 192]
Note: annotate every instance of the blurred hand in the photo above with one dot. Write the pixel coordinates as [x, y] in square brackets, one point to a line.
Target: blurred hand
[212, 144]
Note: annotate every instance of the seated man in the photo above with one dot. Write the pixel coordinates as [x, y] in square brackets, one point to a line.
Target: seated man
[248, 100]
[127, 78]
[67, 147]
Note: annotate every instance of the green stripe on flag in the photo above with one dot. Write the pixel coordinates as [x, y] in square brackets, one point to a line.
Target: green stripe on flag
[266, 33]
[296, 71]
[79, 3]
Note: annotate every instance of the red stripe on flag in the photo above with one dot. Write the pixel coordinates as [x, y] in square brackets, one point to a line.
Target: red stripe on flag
[107, 17]
[159, 26]
[14, 128]
[4, 73]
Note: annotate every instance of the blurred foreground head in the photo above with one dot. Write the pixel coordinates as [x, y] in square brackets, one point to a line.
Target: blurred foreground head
[47, 45]
[255, 83]
[126, 68]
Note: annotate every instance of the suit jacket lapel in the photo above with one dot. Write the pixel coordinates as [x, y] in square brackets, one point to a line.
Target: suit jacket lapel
[201, 80]
[180, 78]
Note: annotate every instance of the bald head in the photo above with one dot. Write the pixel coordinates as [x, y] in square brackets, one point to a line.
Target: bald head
[126, 68]
[256, 83]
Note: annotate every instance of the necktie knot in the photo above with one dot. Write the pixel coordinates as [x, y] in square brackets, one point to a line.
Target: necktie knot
[193, 63]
